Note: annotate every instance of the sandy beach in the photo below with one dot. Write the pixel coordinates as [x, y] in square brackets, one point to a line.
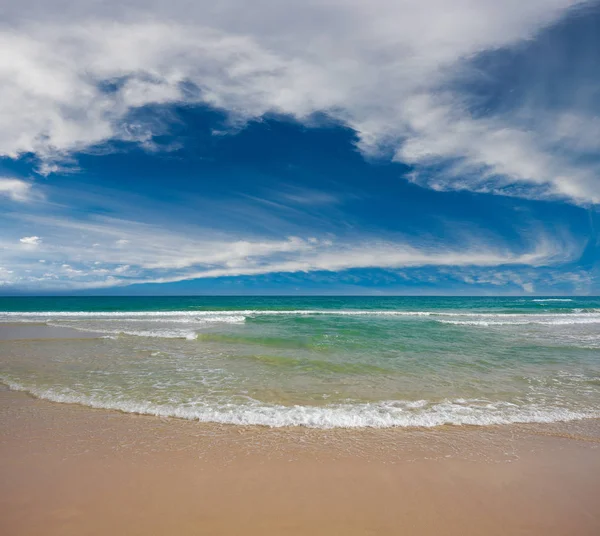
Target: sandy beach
[71, 470]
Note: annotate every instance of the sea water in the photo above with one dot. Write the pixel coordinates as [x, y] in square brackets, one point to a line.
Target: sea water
[314, 361]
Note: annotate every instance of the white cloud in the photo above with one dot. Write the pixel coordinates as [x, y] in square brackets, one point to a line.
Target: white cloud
[31, 240]
[15, 189]
[528, 287]
[493, 155]
[384, 68]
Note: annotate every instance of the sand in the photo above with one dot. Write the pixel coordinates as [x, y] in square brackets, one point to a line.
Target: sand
[69, 470]
[14, 331]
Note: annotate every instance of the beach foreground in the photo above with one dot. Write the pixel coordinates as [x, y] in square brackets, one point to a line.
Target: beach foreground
[67, 469]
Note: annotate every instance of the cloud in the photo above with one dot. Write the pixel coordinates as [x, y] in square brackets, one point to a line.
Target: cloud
[15, 189]
[31, 240]
[396, 71]
[492, 155]
[89, 254]
[502, 279]
[295, 195]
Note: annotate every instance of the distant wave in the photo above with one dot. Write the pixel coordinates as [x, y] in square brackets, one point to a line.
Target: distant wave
[387, 414]
[540, 300]
[214, 314]
[221, 316]
[209, 315]
[525, 321]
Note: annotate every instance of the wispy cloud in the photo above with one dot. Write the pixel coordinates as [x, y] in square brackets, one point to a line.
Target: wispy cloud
[547, 280]
[499, 154]
[70, 78]
[108, 252]
[16, 189]
[295, 195]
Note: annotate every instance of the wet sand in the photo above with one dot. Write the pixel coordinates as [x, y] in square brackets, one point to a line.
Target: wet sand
[14, 331]
[70, 470]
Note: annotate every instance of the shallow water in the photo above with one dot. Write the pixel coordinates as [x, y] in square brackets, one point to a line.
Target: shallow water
[321, 362]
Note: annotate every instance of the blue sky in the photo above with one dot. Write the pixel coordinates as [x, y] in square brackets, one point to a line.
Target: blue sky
[320, 148]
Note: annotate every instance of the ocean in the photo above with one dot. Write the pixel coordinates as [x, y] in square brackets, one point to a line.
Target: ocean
[322, 362]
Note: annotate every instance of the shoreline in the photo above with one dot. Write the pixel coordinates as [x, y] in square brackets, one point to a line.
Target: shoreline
[69, 469]
[585, 429]
[581, 423]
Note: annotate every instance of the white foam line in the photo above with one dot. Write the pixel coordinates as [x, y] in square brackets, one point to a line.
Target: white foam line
[161, 334]
[259, 312]
[524, 322]
[373, 415]
[246, 312]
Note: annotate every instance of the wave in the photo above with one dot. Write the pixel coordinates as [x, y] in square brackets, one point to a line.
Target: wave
[524, 322]
[165, 324]
[544, 300]
[197, 315]
[389, 414]
[155, 333]
[205, 315]
[159, 334]
[235, 315]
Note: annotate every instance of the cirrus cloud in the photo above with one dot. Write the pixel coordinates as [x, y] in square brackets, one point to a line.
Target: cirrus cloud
[81, 254]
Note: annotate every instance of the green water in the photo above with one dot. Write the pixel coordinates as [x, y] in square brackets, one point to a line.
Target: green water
[315, 361]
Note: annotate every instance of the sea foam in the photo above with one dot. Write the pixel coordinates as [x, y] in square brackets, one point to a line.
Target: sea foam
[386, 414]
[234, 314]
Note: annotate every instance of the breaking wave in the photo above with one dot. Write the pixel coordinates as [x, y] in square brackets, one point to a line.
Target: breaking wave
[235, 315]
[385, 414]
[129, 322]
[544, 321]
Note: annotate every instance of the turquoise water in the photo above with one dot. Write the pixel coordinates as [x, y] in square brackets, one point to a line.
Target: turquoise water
[315, 361]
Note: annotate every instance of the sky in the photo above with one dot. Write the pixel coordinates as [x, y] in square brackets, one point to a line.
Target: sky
[300, 147]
